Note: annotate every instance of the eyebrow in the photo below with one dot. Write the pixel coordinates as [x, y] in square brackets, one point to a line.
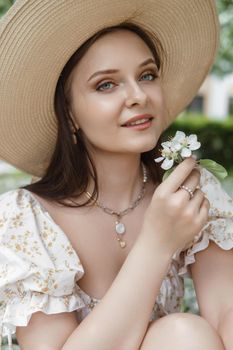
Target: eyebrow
[111, 71]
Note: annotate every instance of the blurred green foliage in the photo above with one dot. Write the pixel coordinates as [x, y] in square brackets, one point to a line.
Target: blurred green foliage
[5, 5]
[216, 137]
[224, 61]
[5, 346]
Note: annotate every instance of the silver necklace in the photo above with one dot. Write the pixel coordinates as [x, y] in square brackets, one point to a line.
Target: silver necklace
[119, 226]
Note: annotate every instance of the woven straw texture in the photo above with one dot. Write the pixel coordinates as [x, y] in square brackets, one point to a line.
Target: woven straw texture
[37, 37]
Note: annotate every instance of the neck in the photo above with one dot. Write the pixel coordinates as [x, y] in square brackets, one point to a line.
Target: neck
[120, 180]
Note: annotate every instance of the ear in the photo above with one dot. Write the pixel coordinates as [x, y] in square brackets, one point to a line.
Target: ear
[74, 120]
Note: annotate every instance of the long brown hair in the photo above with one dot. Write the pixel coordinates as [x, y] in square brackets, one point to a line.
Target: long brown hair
[71, 166]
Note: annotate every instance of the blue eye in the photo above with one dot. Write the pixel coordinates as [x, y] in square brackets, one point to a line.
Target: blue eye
[151, 75]
[104, 86]
[109, 85]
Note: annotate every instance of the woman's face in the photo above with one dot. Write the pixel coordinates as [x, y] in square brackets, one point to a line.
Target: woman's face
[116, 80]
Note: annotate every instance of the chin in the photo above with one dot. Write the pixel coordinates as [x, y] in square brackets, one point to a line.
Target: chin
[148, 146]
[147, 149]
[144, 148]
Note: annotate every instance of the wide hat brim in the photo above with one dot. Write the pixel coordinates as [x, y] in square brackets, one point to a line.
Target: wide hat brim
[37, 37]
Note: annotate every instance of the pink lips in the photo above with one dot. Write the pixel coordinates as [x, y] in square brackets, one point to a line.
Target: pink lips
[142, 126]
[138, 117]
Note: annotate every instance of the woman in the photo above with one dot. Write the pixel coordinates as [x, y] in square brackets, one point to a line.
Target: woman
[94, 251]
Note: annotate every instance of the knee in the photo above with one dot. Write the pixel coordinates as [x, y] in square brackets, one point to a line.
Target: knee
[186, 327]
[186, 324]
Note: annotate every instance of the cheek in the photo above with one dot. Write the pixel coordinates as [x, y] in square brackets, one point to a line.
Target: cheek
[158, 97]
[95, 116]
[105, 103]
[100, 103]
[162, 98]
[101, 112]
[158, 108]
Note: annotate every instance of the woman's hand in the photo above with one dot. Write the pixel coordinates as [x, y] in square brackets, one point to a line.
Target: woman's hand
[173, 218]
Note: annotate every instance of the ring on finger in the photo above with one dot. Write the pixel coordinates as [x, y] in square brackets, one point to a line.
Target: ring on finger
[188, 190]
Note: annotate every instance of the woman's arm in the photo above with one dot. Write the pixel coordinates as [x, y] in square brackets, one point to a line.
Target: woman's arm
[120, 320]
[214, 289]
[46, 332]
[111, 325]
[119, 325]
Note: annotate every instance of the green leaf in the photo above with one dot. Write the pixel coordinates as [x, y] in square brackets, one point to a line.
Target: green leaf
[218, 170]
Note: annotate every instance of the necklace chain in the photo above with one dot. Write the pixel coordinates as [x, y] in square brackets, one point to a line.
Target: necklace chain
[120, 227]
[133, 205]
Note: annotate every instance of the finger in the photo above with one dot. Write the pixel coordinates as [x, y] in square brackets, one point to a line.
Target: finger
[197, 200]
[204, 211]
[179, 175]
[192, 182]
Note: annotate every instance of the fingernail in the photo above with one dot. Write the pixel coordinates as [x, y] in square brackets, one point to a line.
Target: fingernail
[194, 156]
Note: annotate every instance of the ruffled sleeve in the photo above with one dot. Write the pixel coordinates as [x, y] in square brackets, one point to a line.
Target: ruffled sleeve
[219, 227]
[38, 267]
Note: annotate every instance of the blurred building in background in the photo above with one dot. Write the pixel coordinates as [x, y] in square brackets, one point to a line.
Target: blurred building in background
[215, 97]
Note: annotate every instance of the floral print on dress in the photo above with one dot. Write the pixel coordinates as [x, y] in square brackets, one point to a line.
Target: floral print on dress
[39, 269]
[219, 227]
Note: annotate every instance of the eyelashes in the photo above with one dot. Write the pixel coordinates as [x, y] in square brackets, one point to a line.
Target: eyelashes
[106, 85]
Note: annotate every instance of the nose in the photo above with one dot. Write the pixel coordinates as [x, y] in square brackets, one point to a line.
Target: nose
[135, 95]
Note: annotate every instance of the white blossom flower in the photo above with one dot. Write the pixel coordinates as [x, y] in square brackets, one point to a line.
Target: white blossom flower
[169, 155]
[186, 144]
[180, 147]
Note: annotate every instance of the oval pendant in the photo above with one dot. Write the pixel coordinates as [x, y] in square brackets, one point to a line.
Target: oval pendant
[122, 244]
[120, 228]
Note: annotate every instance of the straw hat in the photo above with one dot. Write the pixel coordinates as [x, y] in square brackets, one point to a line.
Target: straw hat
[37, 37]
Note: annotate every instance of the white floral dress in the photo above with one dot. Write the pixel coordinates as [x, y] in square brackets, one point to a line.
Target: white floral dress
[39, 268]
